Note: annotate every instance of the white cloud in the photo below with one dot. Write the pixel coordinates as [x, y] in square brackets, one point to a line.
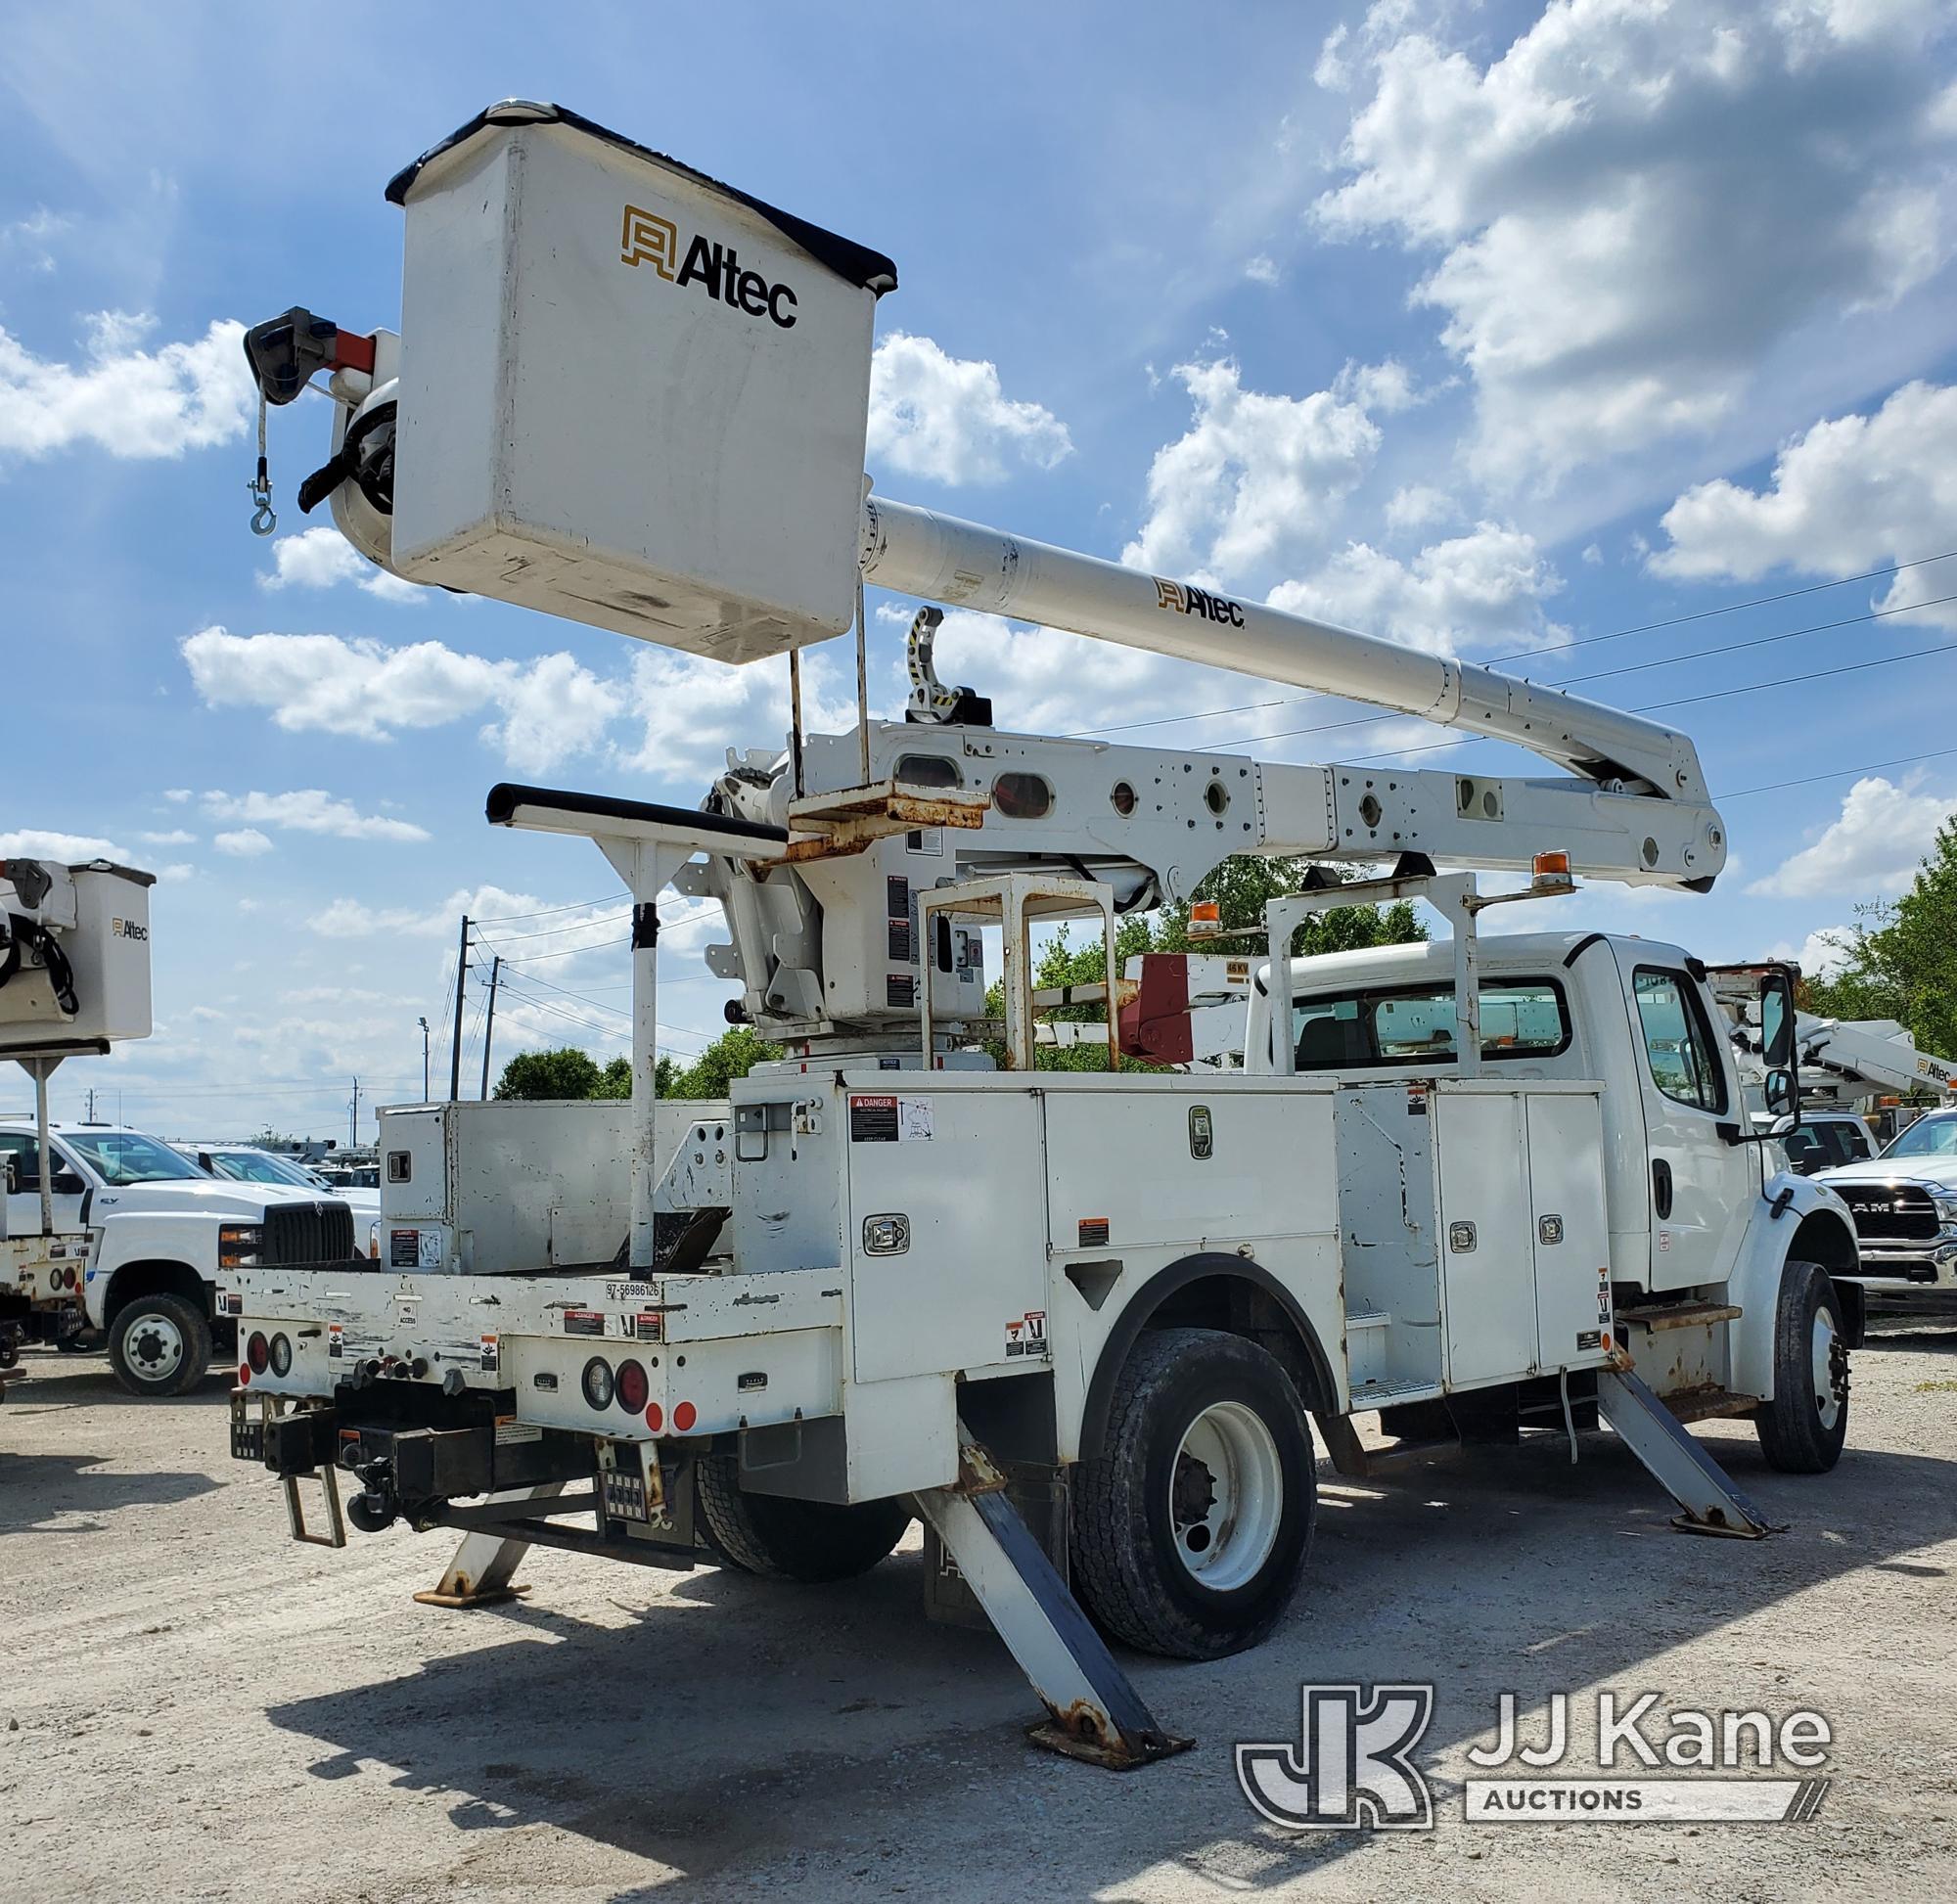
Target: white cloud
[69, 848]
[1633, 203]
[1485, 587]
[248, 842]
[176, 837]
[688, 707]
[1850, 494]
[1419, 505]
[948, 418]
[1262, 270]
[121, 398]
[1874, 848]
[1593, 554]
[309, 810]
[176, 795]
[28, 239]
[322, 556]
[176, 871]
[550, 708]
[1825, 952]
[1254, 482]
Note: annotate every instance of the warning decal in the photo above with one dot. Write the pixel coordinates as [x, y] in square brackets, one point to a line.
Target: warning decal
[891, 1121]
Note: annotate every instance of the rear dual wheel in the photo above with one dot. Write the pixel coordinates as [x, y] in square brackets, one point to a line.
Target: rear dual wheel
[811, 1541]
[1191, 1525]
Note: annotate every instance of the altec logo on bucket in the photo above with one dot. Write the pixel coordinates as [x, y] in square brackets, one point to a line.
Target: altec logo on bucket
[648, 239]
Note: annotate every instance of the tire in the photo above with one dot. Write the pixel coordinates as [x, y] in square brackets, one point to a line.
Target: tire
[1803, 1429]
[1165, 1557]
[160, 1346]
[779, 1539]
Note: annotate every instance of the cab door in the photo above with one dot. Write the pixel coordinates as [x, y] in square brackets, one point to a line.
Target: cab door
[1701, 1184]
[23, 1207]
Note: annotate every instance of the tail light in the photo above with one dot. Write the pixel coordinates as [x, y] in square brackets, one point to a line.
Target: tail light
[684, 1417]
[282, 1356]
[258, 1352]
[655, 1417]
[634, 1386]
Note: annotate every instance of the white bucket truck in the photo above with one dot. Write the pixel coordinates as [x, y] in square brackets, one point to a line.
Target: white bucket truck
[1080, 1324]
[105, 1227]
[75, 978]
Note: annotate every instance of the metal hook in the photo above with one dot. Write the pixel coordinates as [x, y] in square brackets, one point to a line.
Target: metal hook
[259, 488]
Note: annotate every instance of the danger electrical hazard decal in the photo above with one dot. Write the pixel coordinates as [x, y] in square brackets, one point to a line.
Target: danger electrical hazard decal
[891, 1121]
[1026, 1334]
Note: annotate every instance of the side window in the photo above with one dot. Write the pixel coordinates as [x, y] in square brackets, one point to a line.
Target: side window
[1331, 1036]
[1854, 1146]
[1678, 1042]
[27, 1156]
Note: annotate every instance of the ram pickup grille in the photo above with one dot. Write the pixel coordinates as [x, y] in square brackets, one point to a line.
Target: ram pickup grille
[1890, 1212]
[308, 1233]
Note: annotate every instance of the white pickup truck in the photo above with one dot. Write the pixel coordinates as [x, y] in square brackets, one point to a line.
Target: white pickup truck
[163, 1238]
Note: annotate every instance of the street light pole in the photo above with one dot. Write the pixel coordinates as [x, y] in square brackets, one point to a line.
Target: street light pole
[424, 1023]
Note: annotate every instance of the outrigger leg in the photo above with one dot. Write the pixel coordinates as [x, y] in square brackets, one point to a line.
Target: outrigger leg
[1712, 1504]
[481, 1572]
[1097, 1715]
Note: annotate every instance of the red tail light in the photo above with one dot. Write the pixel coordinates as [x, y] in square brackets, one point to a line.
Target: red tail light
[655, 1417]
[258, 1352]
[684, 1417]
[634, 1386]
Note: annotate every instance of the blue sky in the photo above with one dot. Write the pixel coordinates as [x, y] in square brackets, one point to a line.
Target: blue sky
[1490, 329]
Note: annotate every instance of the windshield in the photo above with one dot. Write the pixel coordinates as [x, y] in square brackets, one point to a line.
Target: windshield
[121, 1157]
[1927, 1137]
[261, 1166]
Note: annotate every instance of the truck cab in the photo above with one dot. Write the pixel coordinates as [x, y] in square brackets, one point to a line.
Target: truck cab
[1688, 1179]
[161, 1237]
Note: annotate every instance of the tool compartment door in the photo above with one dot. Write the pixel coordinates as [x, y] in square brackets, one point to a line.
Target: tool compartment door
[964, 1170]
[1485, 1233]
[1572, 1239]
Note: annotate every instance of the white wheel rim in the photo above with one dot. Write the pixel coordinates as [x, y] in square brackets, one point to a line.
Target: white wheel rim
[155, 1347]
[1828, 1404]
[1226, 1496]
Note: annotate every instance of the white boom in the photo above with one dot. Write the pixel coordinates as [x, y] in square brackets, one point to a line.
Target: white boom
[920, 552]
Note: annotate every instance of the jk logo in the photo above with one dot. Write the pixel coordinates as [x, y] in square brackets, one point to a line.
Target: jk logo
[1351, 1767]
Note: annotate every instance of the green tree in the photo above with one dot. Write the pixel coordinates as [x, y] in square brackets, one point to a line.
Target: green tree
[535, 1076]
[569, 1072]
[1240, 888]
[734, 1054]
[1901, 958]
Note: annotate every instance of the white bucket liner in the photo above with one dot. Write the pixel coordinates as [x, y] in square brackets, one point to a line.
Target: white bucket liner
[630, 395]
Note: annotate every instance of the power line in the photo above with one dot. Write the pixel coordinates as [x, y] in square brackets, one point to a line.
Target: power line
[546, 912]
[1837, 773]
[551, 931]
[604, 1030]
[1552, 647]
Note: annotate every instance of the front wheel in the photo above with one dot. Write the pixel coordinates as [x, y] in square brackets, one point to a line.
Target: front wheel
[1192, 1525]
[1803, 1429]
[160, 1346]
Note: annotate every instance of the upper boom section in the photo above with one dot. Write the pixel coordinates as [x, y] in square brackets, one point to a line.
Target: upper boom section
[920, 552]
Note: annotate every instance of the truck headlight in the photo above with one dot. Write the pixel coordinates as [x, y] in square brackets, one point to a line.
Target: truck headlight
[240, 1244]
[1947, 1211]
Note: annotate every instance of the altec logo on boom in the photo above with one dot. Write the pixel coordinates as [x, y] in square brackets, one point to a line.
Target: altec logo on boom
[648, 239]
[1185, 598]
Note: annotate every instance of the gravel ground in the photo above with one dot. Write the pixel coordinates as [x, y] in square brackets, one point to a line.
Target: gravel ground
[196, 1707]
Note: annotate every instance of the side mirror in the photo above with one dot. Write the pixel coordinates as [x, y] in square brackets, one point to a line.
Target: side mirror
[11, 1182]
[1779, 1092]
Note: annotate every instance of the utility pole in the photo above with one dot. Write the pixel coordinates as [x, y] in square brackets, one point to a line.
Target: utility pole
[424, 1023]
[91, 1104]
[489, 1022]
[455, 1043]
[353, 1137]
